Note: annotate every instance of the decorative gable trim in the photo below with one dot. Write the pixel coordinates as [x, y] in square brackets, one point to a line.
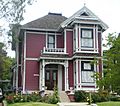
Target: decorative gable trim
[79, 15]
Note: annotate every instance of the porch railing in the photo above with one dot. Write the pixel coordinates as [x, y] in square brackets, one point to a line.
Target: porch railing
[53, 50]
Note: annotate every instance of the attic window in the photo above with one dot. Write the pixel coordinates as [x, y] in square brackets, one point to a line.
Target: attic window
[84, 14]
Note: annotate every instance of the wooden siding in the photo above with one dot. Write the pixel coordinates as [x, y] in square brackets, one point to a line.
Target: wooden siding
[69, 42]
[34, 45]
[32, 82]
[71, 74]
[60, 41]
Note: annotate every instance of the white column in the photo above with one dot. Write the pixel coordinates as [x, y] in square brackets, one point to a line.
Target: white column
[59, 77]
[94, 37]
[66, 77]
[24, 72]
[65, 41]
[40, 74]
[43, 74]
[76, 35]
[76, 74]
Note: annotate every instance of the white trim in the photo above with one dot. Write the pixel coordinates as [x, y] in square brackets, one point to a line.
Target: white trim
[43, 74]
[69, 29]
[76, 73]
[39, 29]
[94, 38]
[60, 78]
[97, 37]
[54, 58]
[84, 9]
[88, 89]
[24, 72]
[36, 59]
[76, 35]
[44, 33]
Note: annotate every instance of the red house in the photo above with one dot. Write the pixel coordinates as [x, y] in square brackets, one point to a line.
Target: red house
[55, 50]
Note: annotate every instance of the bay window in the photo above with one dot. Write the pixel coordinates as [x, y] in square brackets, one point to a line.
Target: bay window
[87, 71]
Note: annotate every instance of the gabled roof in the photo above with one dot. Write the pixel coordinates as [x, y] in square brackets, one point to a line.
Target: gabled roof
[84, 14]
[50, 21]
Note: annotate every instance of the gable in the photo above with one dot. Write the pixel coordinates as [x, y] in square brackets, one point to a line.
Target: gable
[84, 14]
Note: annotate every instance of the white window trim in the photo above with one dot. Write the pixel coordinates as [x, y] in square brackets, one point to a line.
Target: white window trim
[47, 39]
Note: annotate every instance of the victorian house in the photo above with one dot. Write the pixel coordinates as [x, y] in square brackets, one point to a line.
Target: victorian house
[55, 50]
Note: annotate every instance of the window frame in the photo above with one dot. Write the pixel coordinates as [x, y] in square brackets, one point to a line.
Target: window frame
[48, 41]
[87, 38]
[87, 70]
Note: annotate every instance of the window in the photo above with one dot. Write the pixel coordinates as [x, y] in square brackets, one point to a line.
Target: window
[87, 38]
[87, 70]
[51, 41]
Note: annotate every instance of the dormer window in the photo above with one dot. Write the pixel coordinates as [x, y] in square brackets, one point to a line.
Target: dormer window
[87, 38]
[51, 41]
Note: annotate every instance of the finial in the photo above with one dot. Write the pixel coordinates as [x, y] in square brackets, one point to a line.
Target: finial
[84, 3]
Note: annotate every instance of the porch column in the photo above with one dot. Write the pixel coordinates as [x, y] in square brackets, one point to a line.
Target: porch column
[66, 77]
[43, 74]
[40, 76]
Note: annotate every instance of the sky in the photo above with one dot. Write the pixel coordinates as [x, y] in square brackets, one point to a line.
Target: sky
[107, 10]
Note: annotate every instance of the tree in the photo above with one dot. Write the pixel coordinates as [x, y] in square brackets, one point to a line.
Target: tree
[111, 58]
[12, 10]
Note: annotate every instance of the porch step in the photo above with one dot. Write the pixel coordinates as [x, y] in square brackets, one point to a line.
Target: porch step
[49, 92]
[63, 97]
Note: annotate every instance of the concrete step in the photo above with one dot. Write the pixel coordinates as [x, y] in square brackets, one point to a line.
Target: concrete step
[63, 97]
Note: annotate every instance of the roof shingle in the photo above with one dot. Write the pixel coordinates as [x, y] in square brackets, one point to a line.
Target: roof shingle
[50, 21]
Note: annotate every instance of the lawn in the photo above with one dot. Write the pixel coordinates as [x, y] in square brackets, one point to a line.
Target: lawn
[31, 104]
[109, 104]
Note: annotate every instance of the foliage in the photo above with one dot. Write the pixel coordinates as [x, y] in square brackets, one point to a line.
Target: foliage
[54, 98]
[80, 96]
[112, 63]
[5, 65]
[13, 10]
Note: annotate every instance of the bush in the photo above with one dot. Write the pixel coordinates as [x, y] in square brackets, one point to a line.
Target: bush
[80, 96]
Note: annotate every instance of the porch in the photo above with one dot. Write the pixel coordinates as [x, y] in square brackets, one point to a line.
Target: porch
[53, 73]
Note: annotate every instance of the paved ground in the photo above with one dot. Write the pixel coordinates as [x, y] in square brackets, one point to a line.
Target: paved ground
[1, 104]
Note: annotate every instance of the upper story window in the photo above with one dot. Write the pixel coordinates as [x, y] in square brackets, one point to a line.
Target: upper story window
[87, 38]
[51, 41]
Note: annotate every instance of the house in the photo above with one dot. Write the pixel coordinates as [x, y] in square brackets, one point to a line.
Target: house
[55, 50]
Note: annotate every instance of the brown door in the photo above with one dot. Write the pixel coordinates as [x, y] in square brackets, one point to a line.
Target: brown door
[51, 79]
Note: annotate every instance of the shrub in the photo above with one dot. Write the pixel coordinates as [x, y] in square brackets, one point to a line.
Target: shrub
[80, 96]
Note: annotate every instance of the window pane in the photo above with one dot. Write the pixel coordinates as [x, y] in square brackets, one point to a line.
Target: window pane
[87, 66]
[87, 33]
[47, 76]
[54, 76]
[51, 39]
[51, 46]
[87, 76]
[86, 42]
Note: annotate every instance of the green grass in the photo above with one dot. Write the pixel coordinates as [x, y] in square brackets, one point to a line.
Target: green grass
[32, 104]
[109, 104]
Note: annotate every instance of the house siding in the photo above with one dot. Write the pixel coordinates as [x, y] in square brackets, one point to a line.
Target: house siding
[71, 74]
[32, 82]
[60, 41]
[34, 45]
[69, 42]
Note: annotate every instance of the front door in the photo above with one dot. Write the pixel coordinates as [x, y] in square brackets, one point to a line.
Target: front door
[51, 79]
